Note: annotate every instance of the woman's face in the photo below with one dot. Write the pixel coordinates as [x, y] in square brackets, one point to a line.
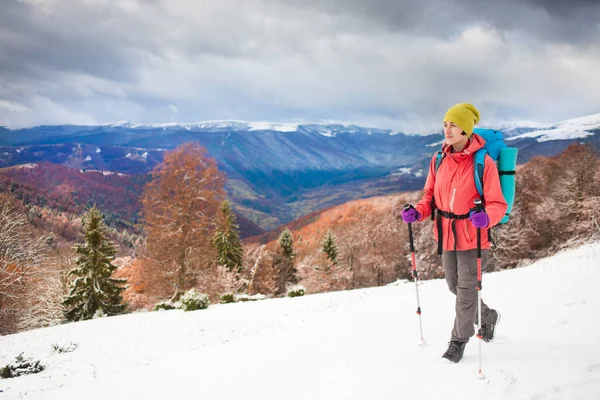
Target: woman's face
[453, 134]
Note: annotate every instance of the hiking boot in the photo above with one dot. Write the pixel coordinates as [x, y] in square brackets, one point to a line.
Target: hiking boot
[489, 327]
[455, 351]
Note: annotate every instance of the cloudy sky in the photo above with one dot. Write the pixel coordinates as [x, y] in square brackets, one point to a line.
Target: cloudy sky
[387, 63]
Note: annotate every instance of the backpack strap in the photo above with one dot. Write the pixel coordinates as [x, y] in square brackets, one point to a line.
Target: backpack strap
[439, 157]
[478, 170]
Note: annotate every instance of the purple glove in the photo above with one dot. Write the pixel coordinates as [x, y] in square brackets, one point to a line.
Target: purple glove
[410, 215]
[479, 219]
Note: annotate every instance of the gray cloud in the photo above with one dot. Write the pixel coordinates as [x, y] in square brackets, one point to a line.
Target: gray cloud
[547, 20]
[386, 63]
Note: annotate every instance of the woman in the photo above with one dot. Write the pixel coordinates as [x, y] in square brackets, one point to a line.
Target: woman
[451, 191]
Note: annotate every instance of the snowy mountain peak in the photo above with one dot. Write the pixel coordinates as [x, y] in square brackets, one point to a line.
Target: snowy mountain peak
[208, 125]
[525, 124]
[325, 129]
[575, 128]
[271, 126]
[587, 122]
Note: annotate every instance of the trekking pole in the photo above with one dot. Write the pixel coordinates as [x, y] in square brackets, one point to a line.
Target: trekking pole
[479, 207]
[415, 274]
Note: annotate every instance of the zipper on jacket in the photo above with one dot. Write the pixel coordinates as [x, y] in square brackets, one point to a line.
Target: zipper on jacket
[452, 200]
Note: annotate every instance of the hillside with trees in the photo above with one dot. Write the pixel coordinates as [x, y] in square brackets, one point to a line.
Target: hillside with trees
[557, 205]
[188, 239]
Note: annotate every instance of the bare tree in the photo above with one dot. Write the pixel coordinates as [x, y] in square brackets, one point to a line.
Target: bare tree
[20, 254]
[45, 293]
[263, 274]
[577, 192]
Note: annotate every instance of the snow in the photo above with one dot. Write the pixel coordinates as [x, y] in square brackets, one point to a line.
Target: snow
[97, 171]
[270, 126]
[522, 124]
[576, 128]
[360, 344]
[402, 171]
[128, 155]
[88, 158]
[326, 129]
[26, 166]
[437, 144]
[227, 124]
[115, 124]
[327, 133]
[98, 150]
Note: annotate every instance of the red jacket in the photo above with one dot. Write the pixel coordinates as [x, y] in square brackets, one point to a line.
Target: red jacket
[453, 187]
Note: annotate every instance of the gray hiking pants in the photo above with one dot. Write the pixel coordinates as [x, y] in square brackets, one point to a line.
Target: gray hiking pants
[461, 275]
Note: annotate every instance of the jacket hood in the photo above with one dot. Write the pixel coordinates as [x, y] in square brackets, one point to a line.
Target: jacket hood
[475, 143]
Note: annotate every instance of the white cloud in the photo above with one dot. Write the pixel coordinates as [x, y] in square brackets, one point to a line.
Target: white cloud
[43, 111]
[13, 107]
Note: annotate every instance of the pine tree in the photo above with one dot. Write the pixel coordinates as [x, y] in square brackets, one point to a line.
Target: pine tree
[226, 240]
[93, 289]
[286, 243]
[283, 260]
[330, 248]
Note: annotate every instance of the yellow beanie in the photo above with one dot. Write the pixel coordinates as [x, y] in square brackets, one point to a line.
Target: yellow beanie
[464, 115]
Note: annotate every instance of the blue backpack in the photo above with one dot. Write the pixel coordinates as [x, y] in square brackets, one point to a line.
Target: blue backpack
[505, 158]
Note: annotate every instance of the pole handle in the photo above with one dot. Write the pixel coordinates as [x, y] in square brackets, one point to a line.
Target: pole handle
[478, 205]
[410, 232]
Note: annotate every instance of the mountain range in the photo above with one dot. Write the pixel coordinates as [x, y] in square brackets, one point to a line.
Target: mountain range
[276, 172]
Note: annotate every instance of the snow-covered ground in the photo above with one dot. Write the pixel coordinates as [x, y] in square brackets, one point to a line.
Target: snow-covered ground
[360, 344]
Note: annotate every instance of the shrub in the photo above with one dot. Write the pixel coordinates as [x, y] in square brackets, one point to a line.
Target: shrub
[295, 291]
[166, 305]
[227, 298]
[64, 349]
[99, 314]
[21, 366]
[194, 300]
[246, 297]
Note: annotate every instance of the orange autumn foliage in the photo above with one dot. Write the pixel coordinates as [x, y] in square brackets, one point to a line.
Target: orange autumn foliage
[178, 207]
[371, 244]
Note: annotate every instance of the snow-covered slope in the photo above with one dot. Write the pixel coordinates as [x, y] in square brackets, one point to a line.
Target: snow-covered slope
[570, 129]
[361, 344]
